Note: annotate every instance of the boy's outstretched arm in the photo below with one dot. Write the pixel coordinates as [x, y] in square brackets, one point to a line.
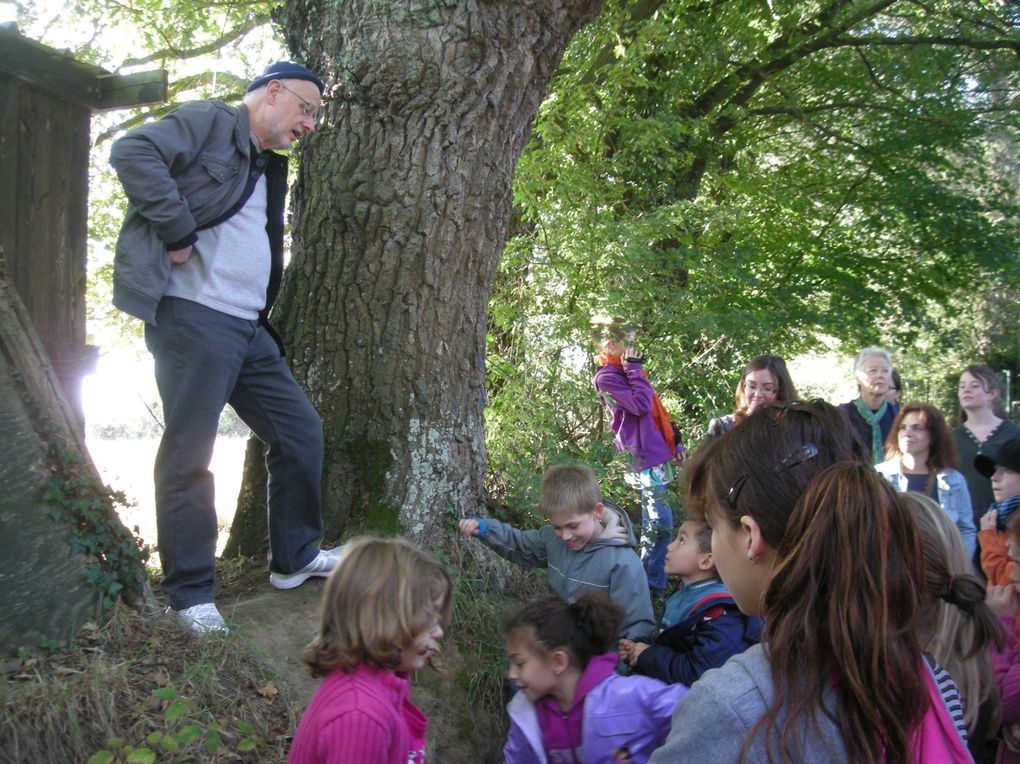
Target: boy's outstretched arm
[529, 549]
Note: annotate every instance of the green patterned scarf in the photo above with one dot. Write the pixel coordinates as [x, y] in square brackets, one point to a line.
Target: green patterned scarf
[873, 418]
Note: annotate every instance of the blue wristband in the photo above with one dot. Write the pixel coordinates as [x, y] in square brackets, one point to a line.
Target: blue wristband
[483, 526]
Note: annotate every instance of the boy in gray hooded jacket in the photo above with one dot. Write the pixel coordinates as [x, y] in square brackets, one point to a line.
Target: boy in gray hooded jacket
[588, 543]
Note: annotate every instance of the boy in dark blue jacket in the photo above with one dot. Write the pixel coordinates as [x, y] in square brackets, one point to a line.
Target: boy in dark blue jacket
[701, 624]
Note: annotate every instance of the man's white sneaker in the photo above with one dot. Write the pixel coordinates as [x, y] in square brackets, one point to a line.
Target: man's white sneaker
[321, 567]
[202, 619]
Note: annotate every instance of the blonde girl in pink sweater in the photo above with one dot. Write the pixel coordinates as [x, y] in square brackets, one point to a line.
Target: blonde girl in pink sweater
[383, 613]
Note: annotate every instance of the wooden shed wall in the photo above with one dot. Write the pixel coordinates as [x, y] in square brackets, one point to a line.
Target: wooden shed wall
[44, 154]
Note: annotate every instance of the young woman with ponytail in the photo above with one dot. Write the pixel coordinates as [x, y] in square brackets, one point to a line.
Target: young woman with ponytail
[808, 535]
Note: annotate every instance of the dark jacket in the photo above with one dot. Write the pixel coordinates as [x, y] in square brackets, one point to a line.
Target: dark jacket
[188, 171]
[714, 631]
[863, 429]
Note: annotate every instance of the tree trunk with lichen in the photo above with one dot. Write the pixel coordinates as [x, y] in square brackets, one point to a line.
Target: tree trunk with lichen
[401, 210]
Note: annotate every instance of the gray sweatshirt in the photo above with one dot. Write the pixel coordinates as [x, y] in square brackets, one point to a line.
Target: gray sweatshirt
[608, 564]
[710, 721]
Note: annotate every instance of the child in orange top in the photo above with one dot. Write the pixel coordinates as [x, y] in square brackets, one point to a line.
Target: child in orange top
[1003, 468]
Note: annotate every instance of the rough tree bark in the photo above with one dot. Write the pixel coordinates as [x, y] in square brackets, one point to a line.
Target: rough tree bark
[63, 550]
[401, 210]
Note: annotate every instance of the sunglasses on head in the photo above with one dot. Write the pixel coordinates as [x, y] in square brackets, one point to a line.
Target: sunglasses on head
[798, 456]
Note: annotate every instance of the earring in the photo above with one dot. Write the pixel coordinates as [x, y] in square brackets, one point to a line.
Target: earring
[750, 558]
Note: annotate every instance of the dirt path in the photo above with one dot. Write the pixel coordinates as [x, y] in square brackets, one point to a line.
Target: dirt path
[279, 624]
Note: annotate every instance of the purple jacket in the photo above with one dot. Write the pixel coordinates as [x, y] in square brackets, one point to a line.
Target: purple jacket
[631, 712]
[629, 396]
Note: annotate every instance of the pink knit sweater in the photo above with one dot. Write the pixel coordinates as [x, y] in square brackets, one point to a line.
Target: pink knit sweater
[361, 718]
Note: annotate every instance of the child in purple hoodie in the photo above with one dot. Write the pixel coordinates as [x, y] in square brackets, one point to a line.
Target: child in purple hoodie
[572, 707]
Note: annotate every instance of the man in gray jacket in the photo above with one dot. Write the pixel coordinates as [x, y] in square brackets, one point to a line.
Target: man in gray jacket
[199, 260]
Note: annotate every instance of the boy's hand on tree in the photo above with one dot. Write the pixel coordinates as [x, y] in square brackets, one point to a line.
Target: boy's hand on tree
[468, 527]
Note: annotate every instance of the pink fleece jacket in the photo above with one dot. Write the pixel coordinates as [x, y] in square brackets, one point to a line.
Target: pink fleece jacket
[365, 716]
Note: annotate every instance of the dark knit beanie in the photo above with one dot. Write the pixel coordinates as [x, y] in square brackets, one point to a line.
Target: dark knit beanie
[285, 70]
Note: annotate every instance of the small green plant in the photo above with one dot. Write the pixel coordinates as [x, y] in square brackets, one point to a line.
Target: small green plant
[188, 731]
[115, 558]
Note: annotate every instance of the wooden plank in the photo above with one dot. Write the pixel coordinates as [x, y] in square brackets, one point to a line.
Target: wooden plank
[61, 75]
[123, 91]
[10, 198]
[48, 69]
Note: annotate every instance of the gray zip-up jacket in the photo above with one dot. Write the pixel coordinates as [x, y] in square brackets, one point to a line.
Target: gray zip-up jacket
[188, 171]
[608, 564]
[710, 721]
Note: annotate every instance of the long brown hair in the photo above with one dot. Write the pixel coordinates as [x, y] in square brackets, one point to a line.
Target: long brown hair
[843, 606]
[381, 595]
[941, 452]
[774, 365]
[842, 603]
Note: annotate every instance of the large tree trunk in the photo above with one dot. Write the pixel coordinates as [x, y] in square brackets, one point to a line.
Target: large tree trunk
[64, 553]
[400, 215]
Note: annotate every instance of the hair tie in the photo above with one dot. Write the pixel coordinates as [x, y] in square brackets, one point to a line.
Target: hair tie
[948, 594]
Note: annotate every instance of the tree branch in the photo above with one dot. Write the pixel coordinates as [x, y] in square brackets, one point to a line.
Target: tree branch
[926, 40]
[172, 51]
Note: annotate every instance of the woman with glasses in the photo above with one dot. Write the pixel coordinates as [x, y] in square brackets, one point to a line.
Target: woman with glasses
[764, 380]
[920, 456]
[806, 534]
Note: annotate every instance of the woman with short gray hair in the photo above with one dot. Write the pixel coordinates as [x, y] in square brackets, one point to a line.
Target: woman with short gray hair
[870, 414]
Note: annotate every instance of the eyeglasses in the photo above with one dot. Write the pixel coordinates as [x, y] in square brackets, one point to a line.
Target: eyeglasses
[307, 110]
[798, 456]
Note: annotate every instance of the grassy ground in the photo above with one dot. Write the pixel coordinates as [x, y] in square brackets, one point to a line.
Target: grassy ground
[139, 689]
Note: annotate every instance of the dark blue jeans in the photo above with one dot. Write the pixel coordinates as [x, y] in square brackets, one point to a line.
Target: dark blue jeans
[204, 360]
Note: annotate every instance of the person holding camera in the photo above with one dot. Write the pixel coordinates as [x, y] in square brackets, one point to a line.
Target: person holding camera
[643, 431]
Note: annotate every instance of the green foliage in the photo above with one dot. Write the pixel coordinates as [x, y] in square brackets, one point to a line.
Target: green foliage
[739, 178]
[115, 558]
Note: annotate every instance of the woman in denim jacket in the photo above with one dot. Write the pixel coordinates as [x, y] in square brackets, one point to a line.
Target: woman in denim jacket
[920, 456]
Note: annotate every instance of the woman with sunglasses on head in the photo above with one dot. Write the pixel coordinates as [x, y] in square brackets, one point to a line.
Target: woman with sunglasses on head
[764, 380]
[806, 534]
[920, 456]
